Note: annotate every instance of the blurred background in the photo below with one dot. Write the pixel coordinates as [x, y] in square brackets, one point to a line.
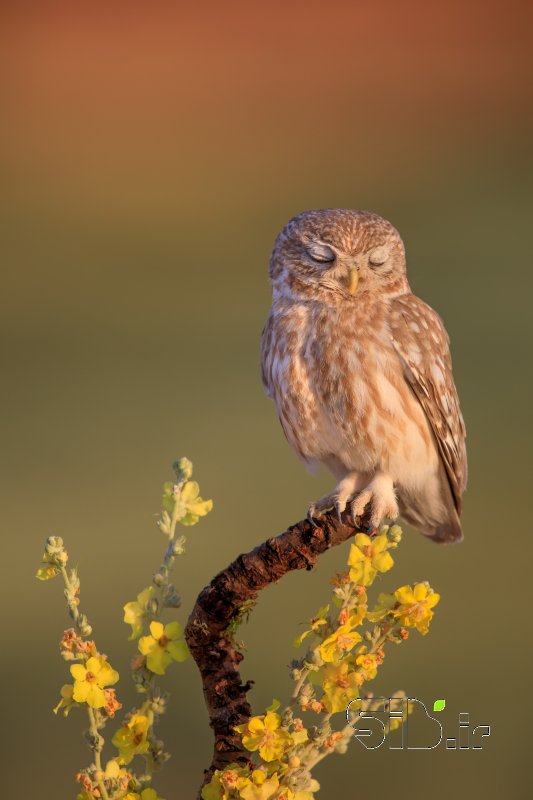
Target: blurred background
[150, 152]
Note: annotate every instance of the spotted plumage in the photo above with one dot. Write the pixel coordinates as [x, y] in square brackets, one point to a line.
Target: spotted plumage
[360, 371]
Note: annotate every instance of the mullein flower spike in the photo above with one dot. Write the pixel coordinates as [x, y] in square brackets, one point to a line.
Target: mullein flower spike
[161, 645]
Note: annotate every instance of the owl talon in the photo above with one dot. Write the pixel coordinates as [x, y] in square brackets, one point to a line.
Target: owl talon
[380, 499]
[312, 511]
[323, 505]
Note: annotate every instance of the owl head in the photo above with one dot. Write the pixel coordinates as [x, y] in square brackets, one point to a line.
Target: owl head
[337, 255]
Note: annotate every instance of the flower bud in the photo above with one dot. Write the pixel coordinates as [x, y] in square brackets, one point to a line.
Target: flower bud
[307, 690]
[395, 533]
[178, 547]
[68, 655]
[315, 659]
[142, 679]
[152, 607]
[164, 523]
[173, 600]
[183, 469]
[286, 717]
[54, 545]
[159, 703]
[95, 741]
[83, 626]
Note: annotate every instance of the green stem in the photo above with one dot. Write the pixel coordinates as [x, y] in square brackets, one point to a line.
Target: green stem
[70, 593]
[97, 749]
[300, 682]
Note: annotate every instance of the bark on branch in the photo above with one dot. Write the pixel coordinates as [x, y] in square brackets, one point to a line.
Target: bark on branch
[213, 647]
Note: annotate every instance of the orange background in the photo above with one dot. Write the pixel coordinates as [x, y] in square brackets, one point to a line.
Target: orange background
[150, 152]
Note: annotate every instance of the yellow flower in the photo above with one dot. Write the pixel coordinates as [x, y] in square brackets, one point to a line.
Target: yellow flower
[316, 623]
[118, 778]
[47, 571]
[113, 771]
[299, 733]
[150, 794]
[214, 790]
[259, 787]
[265, 734]
[90, 679]
[135, 611]
[368, 557]
[340, 641]
[186, 502]
[162, 646]
[368, 665]
[340, 685]
[415, 604]
[301, 794]
[67, 701]
[132, 738]
[225, 782]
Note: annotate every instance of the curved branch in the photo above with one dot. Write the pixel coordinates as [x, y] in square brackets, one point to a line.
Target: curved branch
[221, 602]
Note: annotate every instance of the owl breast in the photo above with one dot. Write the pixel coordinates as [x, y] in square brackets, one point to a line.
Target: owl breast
[340, 392]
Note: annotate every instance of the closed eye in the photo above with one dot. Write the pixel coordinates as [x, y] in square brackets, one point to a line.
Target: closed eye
[378, 255]
[321, 253]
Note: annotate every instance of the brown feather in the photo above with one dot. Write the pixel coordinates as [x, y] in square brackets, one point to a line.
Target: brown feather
[423, 346]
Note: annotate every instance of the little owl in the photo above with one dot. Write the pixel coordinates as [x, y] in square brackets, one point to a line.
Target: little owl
[360, 371]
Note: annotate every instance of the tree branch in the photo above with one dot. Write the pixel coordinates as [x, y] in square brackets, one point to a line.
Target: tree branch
[213, 647]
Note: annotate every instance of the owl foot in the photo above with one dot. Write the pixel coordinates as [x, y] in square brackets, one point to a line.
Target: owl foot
[379, 495]
[326, 503]
[338, 499]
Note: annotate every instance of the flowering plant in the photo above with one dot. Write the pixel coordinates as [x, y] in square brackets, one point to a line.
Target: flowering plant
[345, 647]
[92, 674]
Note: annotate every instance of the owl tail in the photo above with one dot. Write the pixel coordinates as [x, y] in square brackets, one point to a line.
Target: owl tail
[449, 532]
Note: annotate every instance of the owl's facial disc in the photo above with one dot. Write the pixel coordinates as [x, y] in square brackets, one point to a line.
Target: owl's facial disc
[323, 253]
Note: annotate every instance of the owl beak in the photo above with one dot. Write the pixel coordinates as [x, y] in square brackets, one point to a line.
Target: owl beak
[353, 280]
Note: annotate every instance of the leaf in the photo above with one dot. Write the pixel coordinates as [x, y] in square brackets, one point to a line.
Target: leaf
[439, 705]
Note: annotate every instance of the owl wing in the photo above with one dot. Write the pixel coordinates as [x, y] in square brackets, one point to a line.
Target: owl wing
[421, 341]
[266, 356]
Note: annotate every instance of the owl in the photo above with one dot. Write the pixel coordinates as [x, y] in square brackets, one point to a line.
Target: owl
[360, 371]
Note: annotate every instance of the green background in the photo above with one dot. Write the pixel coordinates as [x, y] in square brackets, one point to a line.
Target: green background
[149, 157]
